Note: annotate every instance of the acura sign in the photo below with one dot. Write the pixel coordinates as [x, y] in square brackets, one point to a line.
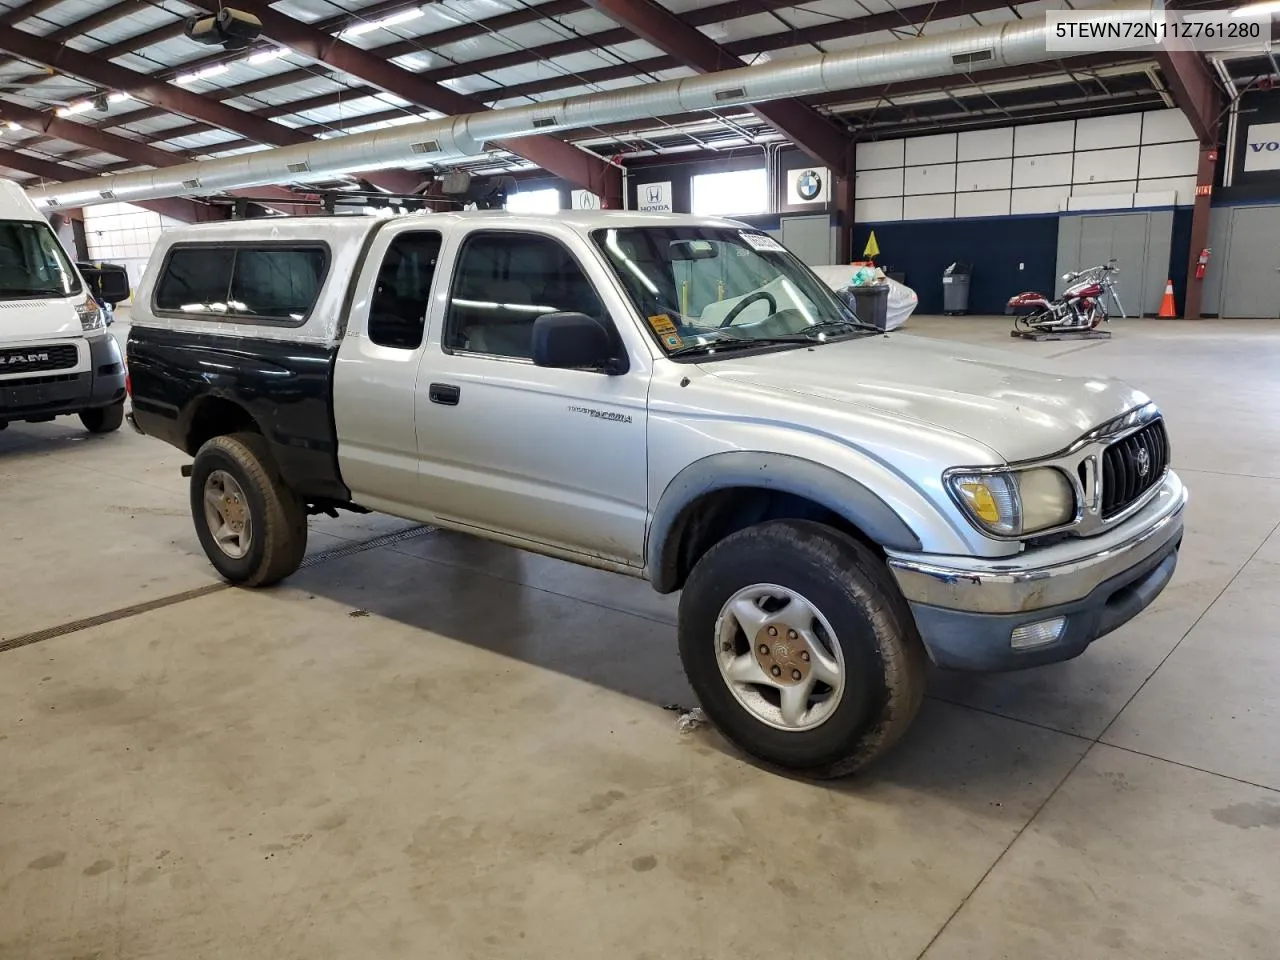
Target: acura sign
[1262, 147]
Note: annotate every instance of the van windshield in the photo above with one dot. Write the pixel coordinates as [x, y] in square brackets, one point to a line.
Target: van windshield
[33, 263]
[707, 290]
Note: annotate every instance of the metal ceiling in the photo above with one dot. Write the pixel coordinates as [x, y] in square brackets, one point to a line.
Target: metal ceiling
[499, 54]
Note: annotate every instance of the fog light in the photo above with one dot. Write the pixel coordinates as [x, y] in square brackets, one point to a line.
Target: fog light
[1038, 634]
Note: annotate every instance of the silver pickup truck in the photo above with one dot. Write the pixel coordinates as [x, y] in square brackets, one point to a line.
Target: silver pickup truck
[673, 398]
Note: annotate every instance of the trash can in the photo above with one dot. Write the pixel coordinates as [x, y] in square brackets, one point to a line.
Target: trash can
[955, 288]
[871, 303]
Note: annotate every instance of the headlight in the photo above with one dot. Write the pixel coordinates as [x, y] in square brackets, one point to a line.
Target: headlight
[1016, 502]
[91, 316]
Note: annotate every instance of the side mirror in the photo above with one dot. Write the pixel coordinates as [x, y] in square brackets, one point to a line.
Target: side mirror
[109, 281]
[574, 341]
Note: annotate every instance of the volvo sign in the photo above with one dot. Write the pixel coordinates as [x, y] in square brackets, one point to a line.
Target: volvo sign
[1262, 147]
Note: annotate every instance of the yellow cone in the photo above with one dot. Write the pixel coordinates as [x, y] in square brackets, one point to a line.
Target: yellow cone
[873, 248]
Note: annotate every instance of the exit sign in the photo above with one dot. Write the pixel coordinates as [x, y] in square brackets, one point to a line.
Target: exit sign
[1204, 189]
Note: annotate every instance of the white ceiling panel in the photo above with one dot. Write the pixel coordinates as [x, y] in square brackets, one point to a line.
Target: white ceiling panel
[572, 63]
[586, 21]
[528, 35]
[468, 85]
[477, 48]
[682, 6]
[743, 28]
[634, 50]
[139, 21]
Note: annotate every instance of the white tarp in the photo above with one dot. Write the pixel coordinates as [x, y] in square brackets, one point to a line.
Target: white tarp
[902, 299]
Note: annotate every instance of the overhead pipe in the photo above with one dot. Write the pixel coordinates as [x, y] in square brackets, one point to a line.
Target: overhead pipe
[453, 138]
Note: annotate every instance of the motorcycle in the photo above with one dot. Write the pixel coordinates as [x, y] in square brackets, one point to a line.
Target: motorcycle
[1082, 305]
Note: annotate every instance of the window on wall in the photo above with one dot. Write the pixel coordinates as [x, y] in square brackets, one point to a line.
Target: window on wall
[734, 193]
[534, 201]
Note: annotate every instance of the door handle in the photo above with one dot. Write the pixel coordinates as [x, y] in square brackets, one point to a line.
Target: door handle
[445, 394]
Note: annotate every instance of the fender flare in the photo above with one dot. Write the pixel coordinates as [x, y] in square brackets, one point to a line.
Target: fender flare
[829, 488]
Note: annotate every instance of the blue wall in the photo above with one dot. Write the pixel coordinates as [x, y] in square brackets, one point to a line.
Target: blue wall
[995, 246]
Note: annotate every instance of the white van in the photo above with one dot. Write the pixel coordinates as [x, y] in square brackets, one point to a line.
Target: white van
[56, 357]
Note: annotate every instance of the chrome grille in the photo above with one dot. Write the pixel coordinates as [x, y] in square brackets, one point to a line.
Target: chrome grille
[1132, 466]
[38, 359]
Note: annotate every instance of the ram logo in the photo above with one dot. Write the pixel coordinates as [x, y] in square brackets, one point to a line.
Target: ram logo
[22, 359]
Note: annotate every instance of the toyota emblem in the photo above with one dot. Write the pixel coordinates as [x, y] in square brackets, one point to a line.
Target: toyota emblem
[1144, 461]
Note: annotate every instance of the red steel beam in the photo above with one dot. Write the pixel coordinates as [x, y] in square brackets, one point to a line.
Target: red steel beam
[179, 208]
[147, 88]
[125, 149]
[582, 169]
[1194, 91]
[714, 13]
[802, 124]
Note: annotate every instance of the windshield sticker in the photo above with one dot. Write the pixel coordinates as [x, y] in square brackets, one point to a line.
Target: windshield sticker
[673, 341]
[761, 242]
[662, 325]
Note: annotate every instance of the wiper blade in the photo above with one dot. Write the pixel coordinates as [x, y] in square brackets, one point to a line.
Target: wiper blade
[823, 326]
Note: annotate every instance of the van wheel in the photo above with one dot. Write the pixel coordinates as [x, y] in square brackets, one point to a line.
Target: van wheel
[800, 647]
[103, 419]
[252, 527]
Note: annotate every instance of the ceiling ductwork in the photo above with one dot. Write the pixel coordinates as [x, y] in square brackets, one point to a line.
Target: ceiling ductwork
[452, 138]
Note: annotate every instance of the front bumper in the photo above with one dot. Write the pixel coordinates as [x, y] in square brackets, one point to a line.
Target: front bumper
[45, 397]
[966, 609]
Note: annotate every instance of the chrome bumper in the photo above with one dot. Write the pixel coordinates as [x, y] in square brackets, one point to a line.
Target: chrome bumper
[1047, 577]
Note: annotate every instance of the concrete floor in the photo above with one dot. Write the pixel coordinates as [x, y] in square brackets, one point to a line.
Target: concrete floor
[434, 747]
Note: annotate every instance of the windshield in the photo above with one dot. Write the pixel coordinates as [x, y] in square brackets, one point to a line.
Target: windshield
[33, 263]
[707, 289]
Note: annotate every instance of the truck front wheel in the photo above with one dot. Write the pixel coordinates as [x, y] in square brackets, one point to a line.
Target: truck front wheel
[800, 647]
[252, 527]
[103, 419]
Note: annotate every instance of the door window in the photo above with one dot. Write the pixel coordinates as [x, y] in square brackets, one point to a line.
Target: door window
[397, 314]
[505, 281]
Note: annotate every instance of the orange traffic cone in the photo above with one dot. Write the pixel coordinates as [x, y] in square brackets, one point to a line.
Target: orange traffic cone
[1167, 308]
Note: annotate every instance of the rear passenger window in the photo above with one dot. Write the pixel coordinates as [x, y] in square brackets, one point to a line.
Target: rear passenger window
[398, 311]
[276, 283]
[505, 281]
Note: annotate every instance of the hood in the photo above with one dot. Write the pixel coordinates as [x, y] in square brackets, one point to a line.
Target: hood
[1017, 406]
[26, 321]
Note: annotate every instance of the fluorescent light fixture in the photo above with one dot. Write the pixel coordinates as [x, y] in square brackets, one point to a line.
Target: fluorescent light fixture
[205, 74]
[266, 56]
[80, 106]
[368, 26]
[1269, 8]
[13, 126]
[119, 97]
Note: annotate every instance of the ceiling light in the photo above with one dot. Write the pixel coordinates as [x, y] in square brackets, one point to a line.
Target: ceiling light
[204, 74]
[266, 56]
[13, 126]
[119, 97]
[366, 26]
[80, 106]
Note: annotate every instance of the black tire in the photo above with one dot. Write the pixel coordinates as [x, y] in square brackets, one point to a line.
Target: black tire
[278, 520]
[884, 659]
[103, 419]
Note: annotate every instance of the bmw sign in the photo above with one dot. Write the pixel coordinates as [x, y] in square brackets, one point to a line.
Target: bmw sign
[807, 185]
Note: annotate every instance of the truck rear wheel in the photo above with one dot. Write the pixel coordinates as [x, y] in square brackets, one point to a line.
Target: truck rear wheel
[103, 419]
[800, 647]
[252, 527]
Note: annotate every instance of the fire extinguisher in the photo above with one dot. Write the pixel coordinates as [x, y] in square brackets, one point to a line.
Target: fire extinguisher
[1202, 262]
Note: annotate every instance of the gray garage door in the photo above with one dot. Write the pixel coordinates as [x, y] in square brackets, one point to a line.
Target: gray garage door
[1251, 284]
[1140, 244]
[809, 238]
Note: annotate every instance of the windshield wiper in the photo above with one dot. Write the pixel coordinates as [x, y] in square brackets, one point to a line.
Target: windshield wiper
[724, 340]
[822, 326]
